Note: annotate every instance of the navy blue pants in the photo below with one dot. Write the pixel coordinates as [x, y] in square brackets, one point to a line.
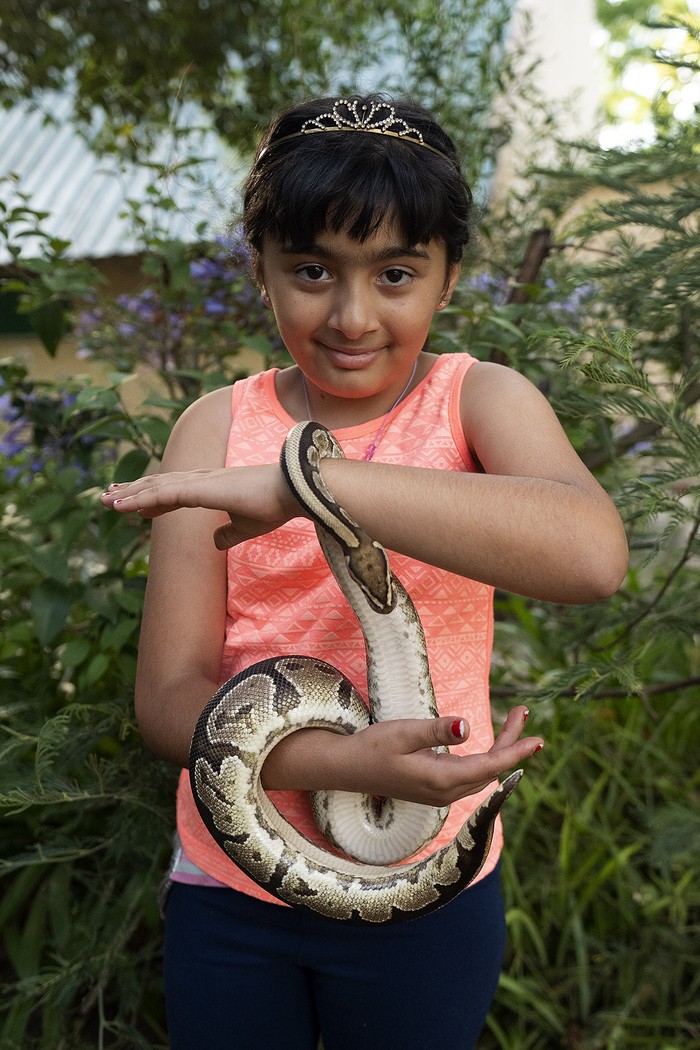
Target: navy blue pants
[242, 974]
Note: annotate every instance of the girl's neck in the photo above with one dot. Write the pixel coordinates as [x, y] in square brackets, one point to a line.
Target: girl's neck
[302, 400]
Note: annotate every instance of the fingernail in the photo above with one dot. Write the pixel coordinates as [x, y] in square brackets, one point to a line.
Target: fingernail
[117, 502]
[457, 728]
[526, 713]
[114, 485]
[538, 748]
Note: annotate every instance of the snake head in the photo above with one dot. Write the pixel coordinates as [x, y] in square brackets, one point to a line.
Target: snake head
[368, 565]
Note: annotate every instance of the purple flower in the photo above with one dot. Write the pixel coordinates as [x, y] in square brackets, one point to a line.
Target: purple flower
[573, 302]
[205, 270]
[215, 307]
[494, 286]
[8, 410]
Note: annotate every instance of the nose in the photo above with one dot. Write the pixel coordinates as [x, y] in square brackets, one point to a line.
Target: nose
[352, 313]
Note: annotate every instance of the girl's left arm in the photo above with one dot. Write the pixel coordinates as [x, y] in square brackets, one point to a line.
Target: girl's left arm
[534, 522]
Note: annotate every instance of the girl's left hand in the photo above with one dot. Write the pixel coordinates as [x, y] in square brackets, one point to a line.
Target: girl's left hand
[256, 499]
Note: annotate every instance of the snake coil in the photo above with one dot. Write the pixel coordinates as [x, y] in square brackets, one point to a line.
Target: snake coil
[257, 708]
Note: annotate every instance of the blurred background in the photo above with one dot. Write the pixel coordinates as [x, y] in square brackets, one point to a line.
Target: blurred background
[125, 132]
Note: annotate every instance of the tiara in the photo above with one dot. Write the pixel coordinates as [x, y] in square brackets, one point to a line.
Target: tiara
[375, 118]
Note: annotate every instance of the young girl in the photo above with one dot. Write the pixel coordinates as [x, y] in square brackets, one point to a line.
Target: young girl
[357, 216]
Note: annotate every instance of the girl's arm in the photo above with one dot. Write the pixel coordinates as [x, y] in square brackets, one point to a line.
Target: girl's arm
[536, 523]
[183, 620]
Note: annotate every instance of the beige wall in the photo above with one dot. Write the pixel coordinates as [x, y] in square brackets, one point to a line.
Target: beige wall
[557, 34]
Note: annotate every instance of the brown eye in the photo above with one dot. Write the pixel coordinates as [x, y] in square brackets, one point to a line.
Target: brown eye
[312, 272]
[396, 276]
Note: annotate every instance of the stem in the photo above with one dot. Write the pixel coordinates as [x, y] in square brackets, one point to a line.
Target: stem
[609, 694]
[539, 247]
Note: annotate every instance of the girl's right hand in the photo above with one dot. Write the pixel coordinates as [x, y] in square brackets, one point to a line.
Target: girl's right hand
[257, 499]
[396, 759]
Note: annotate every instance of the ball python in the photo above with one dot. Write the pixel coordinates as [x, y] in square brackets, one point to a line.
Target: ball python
[257, 708]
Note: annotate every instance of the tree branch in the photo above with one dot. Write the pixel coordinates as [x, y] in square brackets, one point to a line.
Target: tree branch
[609, 694]
[538, 248]
[598, 457]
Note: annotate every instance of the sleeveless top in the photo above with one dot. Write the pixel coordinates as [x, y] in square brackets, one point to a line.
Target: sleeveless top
[283, 600]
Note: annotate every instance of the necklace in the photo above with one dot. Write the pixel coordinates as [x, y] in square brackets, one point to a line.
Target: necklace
[372, 447]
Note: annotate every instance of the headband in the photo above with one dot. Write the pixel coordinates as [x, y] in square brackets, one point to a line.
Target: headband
[345, 117]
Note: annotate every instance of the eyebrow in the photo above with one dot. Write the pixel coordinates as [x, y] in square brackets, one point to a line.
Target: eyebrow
[392, 251]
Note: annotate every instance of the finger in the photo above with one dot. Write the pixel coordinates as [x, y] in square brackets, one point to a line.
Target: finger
[227, 536]
[436, 732]
[478, 771]
[513, 727]
[241, 528]
[144, 503]
[133, 495]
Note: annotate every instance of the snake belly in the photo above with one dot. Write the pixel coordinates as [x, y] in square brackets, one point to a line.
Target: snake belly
[257, 708]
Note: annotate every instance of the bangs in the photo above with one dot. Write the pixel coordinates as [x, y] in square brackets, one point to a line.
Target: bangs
[351, 184]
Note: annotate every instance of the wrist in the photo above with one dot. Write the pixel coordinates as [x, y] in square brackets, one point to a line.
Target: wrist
[307, 760]
[289, 505]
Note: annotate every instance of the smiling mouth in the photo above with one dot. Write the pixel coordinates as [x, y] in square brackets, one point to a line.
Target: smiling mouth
[352, 351]
[351, 358]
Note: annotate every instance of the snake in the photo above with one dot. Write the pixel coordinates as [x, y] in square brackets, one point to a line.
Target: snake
[257, 708]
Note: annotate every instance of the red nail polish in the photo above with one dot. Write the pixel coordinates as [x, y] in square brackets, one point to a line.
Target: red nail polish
[538, 748]
[525, 715]
[457, 728]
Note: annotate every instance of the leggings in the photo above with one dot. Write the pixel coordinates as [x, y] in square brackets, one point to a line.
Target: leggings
[243, 974]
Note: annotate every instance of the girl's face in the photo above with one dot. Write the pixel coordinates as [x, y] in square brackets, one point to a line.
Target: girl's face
[355, 316]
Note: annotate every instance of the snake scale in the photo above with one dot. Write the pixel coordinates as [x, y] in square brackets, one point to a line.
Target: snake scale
[257, 708]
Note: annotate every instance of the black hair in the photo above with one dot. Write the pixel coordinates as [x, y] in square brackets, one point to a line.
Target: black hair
[303, 184]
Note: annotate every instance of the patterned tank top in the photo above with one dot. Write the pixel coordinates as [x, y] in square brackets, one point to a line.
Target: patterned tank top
[283, 600]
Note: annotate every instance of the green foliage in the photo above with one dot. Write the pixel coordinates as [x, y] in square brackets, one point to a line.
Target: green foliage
[47, 283]
[601, 877]
[651, 48]
[240, 63]
[602, 864]
[86, 818]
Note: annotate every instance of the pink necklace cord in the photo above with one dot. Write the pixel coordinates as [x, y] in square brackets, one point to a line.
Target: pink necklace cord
[372, 447]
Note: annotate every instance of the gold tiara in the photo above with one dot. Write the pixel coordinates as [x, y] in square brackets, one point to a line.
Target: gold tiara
[375, 118]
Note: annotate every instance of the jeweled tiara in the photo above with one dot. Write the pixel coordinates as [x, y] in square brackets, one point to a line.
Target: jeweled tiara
[375, 118]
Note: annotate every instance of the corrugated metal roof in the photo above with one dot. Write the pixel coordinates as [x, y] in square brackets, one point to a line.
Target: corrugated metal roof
[86, 195]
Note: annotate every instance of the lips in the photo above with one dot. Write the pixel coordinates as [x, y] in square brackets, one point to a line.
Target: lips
[351, 356]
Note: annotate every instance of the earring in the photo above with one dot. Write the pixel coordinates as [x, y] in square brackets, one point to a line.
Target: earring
[442, 304]
[266, 298]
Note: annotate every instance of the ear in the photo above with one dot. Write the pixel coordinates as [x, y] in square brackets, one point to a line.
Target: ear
[256, 264]
[450, 284]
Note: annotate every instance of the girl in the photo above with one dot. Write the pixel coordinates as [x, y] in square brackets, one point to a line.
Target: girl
[357, 216]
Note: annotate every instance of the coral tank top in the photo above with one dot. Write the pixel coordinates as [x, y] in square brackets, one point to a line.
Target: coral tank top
[283, 600]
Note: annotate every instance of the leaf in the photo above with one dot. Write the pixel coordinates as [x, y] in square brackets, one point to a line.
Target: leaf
[51, 562]
[75, 652]
[99, 399]
[49, 323]
[46, 507]
[157, 430]
[95, 669]
[132, 465]
[50, 606]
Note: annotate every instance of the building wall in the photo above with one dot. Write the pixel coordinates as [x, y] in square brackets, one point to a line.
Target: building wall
[569, 75]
